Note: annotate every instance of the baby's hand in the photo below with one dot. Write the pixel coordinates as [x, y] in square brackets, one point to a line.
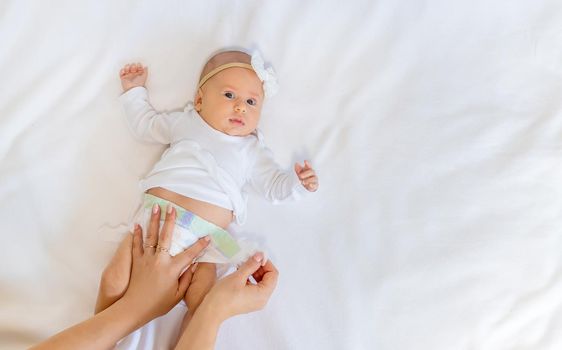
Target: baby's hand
[307, 176]
[133, 75]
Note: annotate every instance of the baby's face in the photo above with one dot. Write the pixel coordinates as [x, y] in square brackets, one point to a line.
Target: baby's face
[231, 101]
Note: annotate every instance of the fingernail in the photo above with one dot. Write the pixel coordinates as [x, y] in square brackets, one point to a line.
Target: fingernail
[207, 238]
[137, 227]
[258, 257]
[155, 208]
[169, 209]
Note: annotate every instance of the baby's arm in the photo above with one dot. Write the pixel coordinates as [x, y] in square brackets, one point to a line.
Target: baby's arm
[276, 185]
[145, 123]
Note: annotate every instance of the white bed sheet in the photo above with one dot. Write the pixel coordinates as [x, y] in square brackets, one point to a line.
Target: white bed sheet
[435, 127]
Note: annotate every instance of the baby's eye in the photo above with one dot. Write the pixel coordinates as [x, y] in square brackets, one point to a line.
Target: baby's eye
[229, 95]
[251, 102]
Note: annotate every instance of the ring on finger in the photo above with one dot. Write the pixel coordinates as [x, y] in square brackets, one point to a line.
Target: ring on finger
[162, 249]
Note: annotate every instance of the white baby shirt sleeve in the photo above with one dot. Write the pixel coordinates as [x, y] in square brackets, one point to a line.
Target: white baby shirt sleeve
[145, 123]
[269, 180]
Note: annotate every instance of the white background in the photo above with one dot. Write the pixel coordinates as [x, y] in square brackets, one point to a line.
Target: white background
[435, 128]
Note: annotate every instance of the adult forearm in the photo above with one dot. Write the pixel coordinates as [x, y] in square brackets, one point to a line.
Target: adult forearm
[201, 332]
[99, 332]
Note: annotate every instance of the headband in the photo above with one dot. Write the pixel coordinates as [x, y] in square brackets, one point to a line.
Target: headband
[266, 75]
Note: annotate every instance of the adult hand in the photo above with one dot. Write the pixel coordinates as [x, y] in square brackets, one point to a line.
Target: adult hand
[235, 294]
[231, 295]
[157, 283]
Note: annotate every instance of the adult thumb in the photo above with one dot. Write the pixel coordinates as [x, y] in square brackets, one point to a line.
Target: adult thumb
[251, 265]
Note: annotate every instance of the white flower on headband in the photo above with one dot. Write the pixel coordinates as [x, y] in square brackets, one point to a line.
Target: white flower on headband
[266, 75]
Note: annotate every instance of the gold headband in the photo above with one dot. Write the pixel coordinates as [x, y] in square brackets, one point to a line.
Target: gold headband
[221, 68]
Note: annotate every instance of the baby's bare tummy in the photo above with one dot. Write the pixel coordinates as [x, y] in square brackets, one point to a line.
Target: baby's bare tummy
[217, 215]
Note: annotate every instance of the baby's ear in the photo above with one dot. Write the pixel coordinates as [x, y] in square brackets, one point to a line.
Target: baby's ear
[198, 100]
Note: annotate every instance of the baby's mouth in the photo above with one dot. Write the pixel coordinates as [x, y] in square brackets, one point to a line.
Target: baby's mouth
[237, 121]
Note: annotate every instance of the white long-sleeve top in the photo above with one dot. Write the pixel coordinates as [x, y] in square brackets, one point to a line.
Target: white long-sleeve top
[203, 163]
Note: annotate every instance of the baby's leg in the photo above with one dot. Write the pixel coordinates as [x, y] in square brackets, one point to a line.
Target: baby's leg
[116, 275]
[202, 281]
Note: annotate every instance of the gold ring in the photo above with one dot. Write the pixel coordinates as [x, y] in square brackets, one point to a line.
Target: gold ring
[162, 249]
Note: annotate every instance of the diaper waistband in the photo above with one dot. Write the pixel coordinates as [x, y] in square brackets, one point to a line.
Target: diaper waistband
[220, 238]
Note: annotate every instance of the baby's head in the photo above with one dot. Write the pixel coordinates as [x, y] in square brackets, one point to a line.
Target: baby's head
[230, 94]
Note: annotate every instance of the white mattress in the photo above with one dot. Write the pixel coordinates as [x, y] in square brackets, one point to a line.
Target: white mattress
[435, 127]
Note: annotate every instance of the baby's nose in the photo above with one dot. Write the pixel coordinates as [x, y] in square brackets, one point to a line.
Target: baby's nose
[240, 108]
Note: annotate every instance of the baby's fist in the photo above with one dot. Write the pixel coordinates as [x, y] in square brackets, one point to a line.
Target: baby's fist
[133, 75]
[308, 177]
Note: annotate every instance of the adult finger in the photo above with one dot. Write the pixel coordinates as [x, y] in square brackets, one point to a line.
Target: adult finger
[258, 275]
[185, 258]
[137, 241]
[153, 227]
[250, 266]
[185, 280]
[165, 238]
[269, 277]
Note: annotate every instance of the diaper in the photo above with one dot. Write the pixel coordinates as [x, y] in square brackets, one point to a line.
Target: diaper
[223, 249]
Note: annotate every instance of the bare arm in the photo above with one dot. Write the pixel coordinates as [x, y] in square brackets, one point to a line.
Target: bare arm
[201, 333]
[232, 295]
[156, 286]
[99, 332]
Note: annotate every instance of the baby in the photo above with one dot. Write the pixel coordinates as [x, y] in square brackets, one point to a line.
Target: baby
[215, 152]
